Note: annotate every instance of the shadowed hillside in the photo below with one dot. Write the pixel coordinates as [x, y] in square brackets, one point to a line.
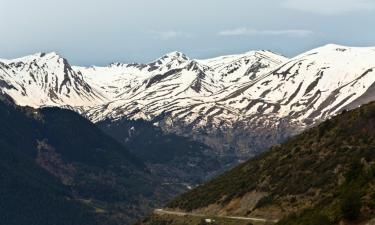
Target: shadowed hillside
[59, 168]
[175, 159]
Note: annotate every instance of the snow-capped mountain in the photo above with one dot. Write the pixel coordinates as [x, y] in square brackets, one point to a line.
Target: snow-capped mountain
[255, 99]
[235, 69]
[172, 82]
[311, 86]
[173, 74]
[45, 79]
[236, 104]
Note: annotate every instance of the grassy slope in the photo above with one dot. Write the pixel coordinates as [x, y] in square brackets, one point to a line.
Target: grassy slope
[307, 172]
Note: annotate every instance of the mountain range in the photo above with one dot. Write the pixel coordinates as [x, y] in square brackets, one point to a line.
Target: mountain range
[236, 104]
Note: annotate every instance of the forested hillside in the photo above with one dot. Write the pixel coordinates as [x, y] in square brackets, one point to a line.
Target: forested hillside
[323, 176]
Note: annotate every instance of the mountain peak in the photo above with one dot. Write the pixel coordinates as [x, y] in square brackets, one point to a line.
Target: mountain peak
[169, 60]
[50, 54]
[337, 47]
[116, 64]
[332, 45]
[174, 56]
[36, 56]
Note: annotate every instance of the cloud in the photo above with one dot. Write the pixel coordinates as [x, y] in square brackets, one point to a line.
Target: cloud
[329, 6]
[170, 34]
[253, 32]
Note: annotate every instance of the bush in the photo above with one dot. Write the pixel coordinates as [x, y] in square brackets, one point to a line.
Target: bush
[264, 201]
[351, 205]
[319, 219]
[354, 171]
[307, 217]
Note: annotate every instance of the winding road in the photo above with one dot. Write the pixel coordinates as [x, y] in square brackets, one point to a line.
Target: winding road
[176, 213]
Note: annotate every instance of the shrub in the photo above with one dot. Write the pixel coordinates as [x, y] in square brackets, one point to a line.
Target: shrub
[351, 205]
[354, 171]
[319, 219]
[264, 201]
[307, 217]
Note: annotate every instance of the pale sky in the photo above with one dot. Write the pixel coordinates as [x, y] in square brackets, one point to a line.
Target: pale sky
[89, 32]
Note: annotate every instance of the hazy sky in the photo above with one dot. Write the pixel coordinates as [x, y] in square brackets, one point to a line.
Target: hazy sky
[102, 31]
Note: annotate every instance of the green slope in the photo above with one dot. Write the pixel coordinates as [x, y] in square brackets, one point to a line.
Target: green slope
[315, 176]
